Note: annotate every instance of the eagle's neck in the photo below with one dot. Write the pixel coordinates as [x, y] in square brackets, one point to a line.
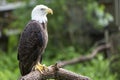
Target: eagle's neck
[41, 19]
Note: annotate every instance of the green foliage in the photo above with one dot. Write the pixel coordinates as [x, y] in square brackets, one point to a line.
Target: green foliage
[97, 69]
[114, 65]
[101, 18]
[60, 55]
[8, 66]
[12, 40]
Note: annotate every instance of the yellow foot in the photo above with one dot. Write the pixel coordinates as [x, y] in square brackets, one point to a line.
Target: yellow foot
[41, 67]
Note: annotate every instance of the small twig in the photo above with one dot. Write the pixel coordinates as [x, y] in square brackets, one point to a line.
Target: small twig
[84, 58]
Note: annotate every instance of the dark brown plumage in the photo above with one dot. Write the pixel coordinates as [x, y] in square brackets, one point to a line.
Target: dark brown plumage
[32, 43]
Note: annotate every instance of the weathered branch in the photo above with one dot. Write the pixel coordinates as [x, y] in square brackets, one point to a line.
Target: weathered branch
[84, 58]
[53, 73]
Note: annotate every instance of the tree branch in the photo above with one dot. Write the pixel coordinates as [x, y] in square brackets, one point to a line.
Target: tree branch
[54, 73]
[84, 58]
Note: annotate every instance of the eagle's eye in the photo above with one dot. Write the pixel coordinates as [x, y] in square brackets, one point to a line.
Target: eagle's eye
[42, 9]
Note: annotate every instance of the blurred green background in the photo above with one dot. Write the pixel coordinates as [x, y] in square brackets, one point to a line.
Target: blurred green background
[74, 29]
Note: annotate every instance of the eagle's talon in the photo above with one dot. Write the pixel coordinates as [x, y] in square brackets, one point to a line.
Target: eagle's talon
[41, 68]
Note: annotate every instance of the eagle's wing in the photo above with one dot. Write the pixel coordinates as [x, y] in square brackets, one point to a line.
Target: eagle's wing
[30, 47]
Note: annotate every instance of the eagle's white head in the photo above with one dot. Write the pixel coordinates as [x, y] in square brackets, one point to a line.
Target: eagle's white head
[39, 13]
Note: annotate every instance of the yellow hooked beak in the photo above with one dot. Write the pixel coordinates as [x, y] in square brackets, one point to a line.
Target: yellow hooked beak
[49, 11]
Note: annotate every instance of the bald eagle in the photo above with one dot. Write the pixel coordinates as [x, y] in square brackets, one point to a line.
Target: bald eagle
[33, 41]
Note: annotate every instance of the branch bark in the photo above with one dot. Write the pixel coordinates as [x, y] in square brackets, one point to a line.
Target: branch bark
[54, 73]
[84, 58]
